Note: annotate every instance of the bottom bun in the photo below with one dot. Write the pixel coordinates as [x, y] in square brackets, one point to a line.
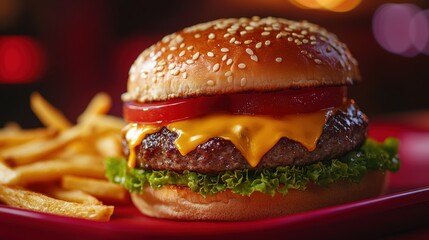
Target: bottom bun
[175, 202]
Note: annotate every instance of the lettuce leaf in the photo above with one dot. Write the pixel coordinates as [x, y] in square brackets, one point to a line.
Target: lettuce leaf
[352, 166]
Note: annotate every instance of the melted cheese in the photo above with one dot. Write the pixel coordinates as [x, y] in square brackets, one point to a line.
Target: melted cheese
[253, 136]
[134, 135]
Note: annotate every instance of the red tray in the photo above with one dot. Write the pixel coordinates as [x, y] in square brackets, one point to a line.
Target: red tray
[403, 210]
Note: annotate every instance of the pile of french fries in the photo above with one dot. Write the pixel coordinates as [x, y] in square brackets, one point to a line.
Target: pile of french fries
[59, 169]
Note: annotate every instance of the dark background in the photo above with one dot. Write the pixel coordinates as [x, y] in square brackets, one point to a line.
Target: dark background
[88, 47]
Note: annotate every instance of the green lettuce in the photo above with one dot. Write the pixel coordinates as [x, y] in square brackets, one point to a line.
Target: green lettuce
[352, 167]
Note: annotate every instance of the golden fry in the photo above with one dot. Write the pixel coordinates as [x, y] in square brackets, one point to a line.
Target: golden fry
[101, 189]
[7, 175]
[48, 114]
[51, 170]
[99, 105]
[25, 199]
[35, 150]
[54, 191]
[10, 137]
[40, 158]
[109, 146]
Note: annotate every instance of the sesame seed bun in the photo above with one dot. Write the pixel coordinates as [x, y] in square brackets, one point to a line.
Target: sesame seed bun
[173, 202]
[238, 55]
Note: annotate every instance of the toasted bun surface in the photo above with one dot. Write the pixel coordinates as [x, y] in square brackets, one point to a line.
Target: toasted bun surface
[181, 203]
[238, 55]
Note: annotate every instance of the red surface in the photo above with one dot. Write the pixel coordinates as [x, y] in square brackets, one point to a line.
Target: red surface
[403, 212]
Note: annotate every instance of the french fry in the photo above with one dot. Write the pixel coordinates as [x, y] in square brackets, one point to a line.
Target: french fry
[35, 150]
[10, 137]
[101, 189]
[102, 123]
[48, 114]
[7, 175]
[52, 190]
[108, 146]
[99, 105]
[40, 159]
[51, 170]
[25, 199]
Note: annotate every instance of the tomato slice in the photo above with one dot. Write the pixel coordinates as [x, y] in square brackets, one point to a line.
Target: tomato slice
[272, 103]
[171, 110]
[287, 101]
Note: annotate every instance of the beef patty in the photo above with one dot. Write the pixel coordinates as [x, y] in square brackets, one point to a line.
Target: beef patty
[344, 131]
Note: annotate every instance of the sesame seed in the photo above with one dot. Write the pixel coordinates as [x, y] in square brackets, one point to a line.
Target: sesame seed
[267, 43]
[224, 57]
[279, 35]
[229, 62]
[182, 70]
[249, 28]
[189, 61]
[313, 38]
[173, 48]
[304, 32]
[226, 35]
[212, 36]
[254, 58]
[304, 52]
[159, 68]
[216, 67]
[175, 72]
[305, 41]
[182, 45]
[161, 63]
[170, 56]
[249, 51]
[290, 39]
[267, 29]
[230, 78]
[232, 40]
[313, 42]
[248, 42]
[171, 66]
[265, 33]
[258, 45]
[243, 82]
[190, 47]
[210, 54]
[197, 35]
[224, 50]
[318, 61]
[227, 74]
[237, 42]
[185, 75]
[195, 56]
[210, 82]
[241, 65]
[182, 53]
[243, 33]
[163, 49]
[279, 59]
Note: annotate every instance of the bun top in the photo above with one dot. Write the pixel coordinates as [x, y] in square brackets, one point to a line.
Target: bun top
[239, 55]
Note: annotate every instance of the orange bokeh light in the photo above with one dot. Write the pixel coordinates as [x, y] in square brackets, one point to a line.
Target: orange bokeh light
[330, 5]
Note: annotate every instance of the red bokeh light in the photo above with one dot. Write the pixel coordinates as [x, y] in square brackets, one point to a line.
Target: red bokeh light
[22, 60]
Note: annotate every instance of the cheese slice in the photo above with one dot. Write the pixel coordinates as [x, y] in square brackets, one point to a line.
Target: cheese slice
[253, 136]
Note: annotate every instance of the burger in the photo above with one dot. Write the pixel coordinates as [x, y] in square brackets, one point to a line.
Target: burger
[240, 119]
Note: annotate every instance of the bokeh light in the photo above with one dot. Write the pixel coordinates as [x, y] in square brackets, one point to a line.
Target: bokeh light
[21, 60]
[330, 5]
[402, 29]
